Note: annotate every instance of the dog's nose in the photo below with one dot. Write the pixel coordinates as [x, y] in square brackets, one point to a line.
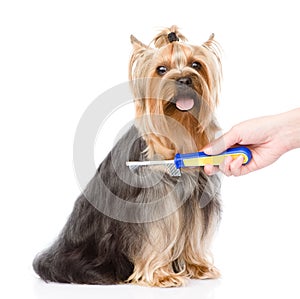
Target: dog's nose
[185, 80]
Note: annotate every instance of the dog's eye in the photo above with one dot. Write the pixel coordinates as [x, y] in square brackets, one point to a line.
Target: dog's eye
[161, 70]
[196, 65]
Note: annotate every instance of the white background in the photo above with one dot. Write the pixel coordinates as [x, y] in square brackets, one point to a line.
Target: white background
[56, 57]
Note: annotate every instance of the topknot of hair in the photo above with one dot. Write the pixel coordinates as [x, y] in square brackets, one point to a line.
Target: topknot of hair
[162, 38]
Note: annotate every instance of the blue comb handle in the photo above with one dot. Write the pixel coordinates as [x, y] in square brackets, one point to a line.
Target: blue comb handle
[201, 159]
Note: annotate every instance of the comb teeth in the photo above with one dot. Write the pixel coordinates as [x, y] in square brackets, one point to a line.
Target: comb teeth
[173, 171]
[169, 164]
[133, 167]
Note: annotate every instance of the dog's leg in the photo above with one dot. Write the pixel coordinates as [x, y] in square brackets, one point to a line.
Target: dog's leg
[196, 254]
[200, 268]
[153, 264]
[155, 269]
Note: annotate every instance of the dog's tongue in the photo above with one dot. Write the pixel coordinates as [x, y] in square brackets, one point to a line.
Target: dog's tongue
[185, 103]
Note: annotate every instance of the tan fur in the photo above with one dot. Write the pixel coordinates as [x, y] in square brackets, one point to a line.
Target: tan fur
[168, 131]
[142, 225]
[177, 57]
[169, 240]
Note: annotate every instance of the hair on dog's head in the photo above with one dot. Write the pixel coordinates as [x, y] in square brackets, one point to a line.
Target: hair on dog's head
[176, 89]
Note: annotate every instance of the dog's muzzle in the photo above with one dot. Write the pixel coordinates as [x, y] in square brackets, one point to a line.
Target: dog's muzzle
[186, 96]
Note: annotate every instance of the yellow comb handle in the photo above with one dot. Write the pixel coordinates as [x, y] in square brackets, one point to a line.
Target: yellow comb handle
[212, 160]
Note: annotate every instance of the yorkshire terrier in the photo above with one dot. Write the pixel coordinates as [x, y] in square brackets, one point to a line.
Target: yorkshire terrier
[162, 226]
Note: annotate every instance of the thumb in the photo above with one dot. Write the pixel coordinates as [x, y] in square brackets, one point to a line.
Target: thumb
[221, 144]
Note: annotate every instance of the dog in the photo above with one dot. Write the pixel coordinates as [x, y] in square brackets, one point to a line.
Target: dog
[144, 226]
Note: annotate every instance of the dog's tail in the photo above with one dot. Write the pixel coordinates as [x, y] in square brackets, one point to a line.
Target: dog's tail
[73, 267]
[42, 266]
[84, 253]
[49, 266]
[163, 38]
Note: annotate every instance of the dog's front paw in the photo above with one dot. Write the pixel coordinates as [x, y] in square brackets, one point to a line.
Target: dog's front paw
[165, 280]
[160, 278]
[202, 272]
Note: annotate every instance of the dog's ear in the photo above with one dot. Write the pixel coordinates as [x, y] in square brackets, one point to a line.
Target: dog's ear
[213, 47]
[139, 50]
[209, 42]
[137, 45]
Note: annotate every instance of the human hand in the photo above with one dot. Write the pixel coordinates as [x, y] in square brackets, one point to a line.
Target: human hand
[267, 138]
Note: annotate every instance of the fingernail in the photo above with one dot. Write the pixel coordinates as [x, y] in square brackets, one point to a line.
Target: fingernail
[228, 160]
[240, 159]
[207, 150]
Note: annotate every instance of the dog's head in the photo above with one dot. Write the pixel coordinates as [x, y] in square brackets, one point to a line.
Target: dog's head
[175, 87]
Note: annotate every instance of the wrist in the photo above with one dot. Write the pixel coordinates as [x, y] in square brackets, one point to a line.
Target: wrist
[289, 127]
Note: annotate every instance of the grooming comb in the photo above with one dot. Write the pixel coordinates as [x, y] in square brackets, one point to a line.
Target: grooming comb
[194, 159]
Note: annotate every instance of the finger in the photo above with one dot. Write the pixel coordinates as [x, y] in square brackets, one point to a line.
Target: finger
[222, 143]
[236, 166]
[225, 166]
[210, 169]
